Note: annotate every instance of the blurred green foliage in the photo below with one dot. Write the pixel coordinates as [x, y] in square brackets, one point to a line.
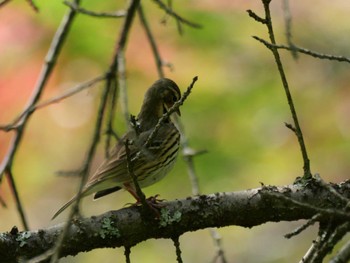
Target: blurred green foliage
[237, 111]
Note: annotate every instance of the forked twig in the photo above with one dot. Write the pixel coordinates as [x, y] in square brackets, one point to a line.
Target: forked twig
[78, 88]
[304, 51]
[117, 14]
[170, 12]
[159, 63]
[300, 229]
[298, 132]
[139, 192]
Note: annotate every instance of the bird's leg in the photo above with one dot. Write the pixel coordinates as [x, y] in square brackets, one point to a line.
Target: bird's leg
[152, 202]
[132, 191]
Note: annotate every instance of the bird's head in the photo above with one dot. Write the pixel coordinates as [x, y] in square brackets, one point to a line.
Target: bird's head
[169, 93]
[159, 98]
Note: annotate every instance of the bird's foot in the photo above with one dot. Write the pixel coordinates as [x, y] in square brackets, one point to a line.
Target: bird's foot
[153, 203]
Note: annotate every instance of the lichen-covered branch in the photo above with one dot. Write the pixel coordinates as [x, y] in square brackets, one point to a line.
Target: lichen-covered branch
[130, 226]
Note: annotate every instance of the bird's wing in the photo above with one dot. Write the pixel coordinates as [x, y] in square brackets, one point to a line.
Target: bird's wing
[114, 170]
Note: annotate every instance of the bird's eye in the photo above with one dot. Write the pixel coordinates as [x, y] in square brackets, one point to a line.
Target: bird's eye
[174, 98]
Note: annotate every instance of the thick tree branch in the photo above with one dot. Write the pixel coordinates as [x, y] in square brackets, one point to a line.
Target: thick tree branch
[129, 226]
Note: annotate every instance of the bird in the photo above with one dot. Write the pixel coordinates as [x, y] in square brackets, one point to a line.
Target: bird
[151, 157]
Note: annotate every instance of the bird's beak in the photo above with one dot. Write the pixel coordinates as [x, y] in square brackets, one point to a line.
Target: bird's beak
[168, 106]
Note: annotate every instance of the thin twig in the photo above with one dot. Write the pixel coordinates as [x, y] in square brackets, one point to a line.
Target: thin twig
[131, 173]
[217, 242]
[32, 5]
[177, 249]
[112, 109]
[332, 190]
[2, 3]
[304, 51]
[300, 229]
[288, 26]
[323, 211]
[117, 14]
[2, 202]
[123, 36]
[78, 88]
[316, 244]
[127, 253]
[159, 63]
[290, 126]
[123, 87]
[327, 240]
[298, 132]
[170, 12]
[256, 17]
[19, 205]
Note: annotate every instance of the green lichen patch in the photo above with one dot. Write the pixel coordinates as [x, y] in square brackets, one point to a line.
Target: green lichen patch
[108, 229]
[166, 218]
[22, 238]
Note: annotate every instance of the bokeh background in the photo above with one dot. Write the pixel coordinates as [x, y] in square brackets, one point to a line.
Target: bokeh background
[237, 112]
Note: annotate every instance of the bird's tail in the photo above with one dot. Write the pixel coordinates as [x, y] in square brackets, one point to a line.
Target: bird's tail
[65, 207]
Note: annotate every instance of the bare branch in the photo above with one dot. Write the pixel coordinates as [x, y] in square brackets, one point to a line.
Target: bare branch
[15, 193]
[123, 90]
[45, 73]
[304, 51]
[139, 192]
[4, 2]
[75, 7]
[298, 132]
[127, 226]
[256, 17]
[177, 249]
[300, 229]
[159, 63]
[32, 5]
[170, 12]
[78, 88]
[113, 98]
[332, 191]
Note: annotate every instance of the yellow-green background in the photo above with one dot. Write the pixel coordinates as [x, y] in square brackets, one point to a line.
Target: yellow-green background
[237, 112]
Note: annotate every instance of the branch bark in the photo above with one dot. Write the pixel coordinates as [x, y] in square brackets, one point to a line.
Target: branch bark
[130, 226]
